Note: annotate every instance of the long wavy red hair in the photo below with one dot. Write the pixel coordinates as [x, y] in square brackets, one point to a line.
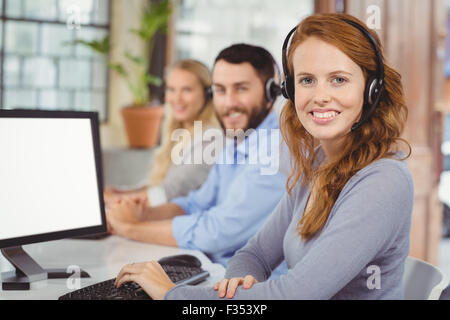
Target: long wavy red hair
[377, 138]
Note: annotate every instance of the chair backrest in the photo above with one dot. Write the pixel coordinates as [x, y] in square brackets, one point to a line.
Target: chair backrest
[423, 281]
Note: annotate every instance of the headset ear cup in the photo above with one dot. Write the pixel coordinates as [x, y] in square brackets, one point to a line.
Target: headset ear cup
[208, 94]
[275, 91]
[272, 90]
[287, 89]
[283, 90]
[268, 89]
[290, 90]
[371, 92]
[371, 96]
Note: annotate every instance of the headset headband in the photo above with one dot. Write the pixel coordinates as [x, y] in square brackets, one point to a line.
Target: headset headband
[284, 52]
[379, 57]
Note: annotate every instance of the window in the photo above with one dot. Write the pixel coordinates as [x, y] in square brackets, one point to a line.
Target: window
[204, 27]
[41, 67]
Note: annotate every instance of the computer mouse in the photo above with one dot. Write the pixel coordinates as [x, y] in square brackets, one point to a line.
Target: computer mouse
[181, 260]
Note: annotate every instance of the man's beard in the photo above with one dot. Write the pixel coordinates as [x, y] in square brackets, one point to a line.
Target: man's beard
[255, 117]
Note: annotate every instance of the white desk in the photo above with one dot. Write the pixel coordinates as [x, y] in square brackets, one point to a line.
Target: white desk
[102, 259]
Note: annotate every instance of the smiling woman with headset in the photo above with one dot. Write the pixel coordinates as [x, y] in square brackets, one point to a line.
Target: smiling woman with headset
[343, 226]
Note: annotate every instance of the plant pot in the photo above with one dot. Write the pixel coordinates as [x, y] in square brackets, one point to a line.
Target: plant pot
[142, 124]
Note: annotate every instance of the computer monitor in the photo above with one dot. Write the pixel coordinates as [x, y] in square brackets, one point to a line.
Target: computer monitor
[51, 185]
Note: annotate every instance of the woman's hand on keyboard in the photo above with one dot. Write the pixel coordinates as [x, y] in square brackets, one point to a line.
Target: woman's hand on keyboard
[149, 275]
[228, 286]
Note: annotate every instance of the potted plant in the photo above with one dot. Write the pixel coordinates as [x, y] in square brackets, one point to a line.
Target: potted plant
[141, 118]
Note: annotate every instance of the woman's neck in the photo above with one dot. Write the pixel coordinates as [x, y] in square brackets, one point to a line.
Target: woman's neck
[332, 148]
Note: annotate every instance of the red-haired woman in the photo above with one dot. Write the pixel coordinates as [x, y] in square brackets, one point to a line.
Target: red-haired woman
[343, 226]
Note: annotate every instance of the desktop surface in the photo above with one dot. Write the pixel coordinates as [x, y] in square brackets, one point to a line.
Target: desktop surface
[101, 259]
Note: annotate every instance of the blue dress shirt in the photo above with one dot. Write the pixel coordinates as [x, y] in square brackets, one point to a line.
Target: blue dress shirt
[237, 197]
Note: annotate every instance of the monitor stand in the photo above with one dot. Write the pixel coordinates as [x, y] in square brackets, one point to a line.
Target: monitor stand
[28, 270]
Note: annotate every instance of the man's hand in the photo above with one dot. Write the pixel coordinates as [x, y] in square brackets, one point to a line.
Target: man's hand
[112, 195]
[122, 214]
[129, 210]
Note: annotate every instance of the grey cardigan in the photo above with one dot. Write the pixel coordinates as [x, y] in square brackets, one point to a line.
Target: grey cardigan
[359, 254]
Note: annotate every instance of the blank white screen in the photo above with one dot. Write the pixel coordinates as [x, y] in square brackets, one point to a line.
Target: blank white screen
[48, 178]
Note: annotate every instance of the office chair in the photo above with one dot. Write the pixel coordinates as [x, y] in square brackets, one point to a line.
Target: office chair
[423, 281]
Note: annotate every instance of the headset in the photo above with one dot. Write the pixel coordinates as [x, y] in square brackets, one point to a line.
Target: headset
[208, 94]
[208, 97]
[374, 84]
[272, 89]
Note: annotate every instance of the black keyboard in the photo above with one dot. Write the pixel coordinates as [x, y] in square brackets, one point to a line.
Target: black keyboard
[179, 274]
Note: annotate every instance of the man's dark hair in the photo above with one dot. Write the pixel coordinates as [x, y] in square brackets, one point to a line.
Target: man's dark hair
[258, 57]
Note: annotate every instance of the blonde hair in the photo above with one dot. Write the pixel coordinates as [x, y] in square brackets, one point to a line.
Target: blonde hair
[162, 159]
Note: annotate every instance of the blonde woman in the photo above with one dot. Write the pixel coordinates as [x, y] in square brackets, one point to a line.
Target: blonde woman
[175, 172]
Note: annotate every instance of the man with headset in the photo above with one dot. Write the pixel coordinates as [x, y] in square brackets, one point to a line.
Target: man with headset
[234, 202]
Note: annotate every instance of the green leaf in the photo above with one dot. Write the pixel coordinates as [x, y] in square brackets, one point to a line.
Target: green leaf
[100, 46]
[153, 80]
[135, 59]
[154, 19]
[119, 69]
